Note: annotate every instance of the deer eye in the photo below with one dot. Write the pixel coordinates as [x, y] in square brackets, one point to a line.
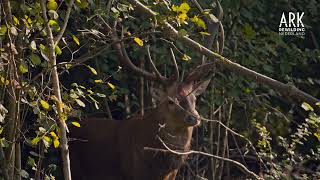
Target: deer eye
[171, 102]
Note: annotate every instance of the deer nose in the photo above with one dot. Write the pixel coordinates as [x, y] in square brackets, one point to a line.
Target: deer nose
[191, 120]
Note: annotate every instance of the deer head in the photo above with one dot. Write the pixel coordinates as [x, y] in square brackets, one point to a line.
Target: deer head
[176, 98]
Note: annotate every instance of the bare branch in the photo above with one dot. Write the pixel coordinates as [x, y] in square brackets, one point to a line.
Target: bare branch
[66, 19]
[239, 165]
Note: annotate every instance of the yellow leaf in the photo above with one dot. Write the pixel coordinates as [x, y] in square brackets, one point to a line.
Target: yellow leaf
[204, 33]
[186, 57]
[75, 124]
[52, 5]
[53, 134]
[182, 17]
[98, 81]
[3, 30]
[75, 39]
[317, 134]
[56, 143]
[111, 86]
[92, 70]
[174, 8]
[63, 117]
[16, 20]
[138, 41]
[44, 104]
[48, 139]
[184, 8]
[199, 22]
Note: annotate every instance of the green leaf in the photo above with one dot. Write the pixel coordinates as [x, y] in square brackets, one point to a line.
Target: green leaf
[92, 70]
[57, 50]
[182, 32]
[3, 30]
[101, 95]
[80, 103]
[54, 25]
[307, 107]
[53, 14]
[76, 124]
[35, 59]
[76, 40]
[23, 68]
[35, 141]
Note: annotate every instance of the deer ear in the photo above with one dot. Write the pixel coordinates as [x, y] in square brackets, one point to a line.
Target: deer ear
[157, 94]
[200, 87]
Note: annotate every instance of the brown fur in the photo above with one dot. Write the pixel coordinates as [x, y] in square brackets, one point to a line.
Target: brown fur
[115, 150]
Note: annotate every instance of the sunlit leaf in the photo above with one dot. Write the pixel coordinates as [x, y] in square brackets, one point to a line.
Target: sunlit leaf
[57, 50]
[205, 33]
[317, 134]
[54, 25]
[48, 139]
[76, 124]
[307, 106]
[35, 141]
[138, 41]
[44, 104]
[3, 30]
[52, 5]
[54, 135]
[23, 68]
[15, 20]
[80, 103]
[56, 143]
[98, 81]
[33, 45]
[63, 117]
[92, 70]
[101, 95]
[183, 8]
[186, 57]
[75, 39]
[111, 86]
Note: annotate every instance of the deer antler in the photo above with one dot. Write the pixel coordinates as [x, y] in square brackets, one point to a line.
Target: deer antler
[127, 63]
[177, 76]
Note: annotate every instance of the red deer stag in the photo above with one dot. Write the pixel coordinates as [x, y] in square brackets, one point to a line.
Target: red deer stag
[127, 149]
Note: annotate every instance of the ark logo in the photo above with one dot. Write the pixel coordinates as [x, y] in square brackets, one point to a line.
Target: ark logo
[291, 24]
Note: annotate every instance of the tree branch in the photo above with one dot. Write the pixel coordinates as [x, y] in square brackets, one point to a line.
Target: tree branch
[284, 89]
[66, 19]
[56, 90]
